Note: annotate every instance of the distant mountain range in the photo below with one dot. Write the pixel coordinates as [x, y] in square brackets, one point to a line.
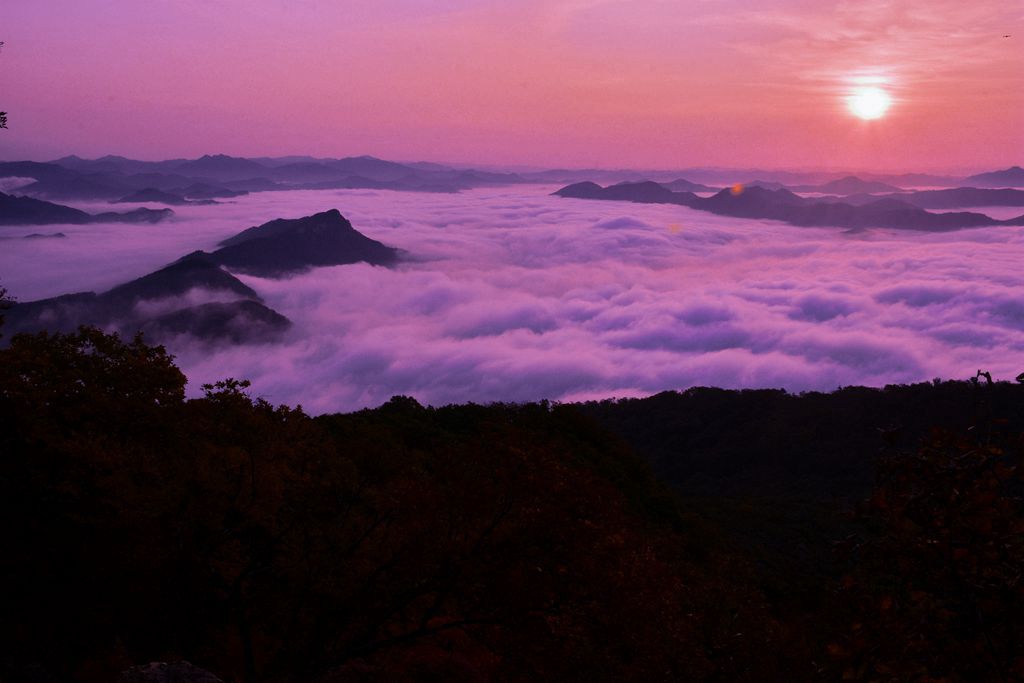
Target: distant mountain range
[783, 205]
[151, 194]
[216, 176]
[944, 199]
[843, 186]
[28, 211]
[1010, 177]
[683, 185]
[115, 178]
[195, 295]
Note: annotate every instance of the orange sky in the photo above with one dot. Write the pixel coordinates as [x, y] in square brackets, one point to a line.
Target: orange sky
[641, 83]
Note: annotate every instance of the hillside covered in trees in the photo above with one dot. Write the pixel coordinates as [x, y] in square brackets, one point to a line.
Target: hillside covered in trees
[704, 536]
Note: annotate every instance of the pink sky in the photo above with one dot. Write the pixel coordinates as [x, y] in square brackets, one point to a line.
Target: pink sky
[640, 83]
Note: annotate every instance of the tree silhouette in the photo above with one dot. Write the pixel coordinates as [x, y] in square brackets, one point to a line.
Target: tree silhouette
[937, 593]
[499, 542]
[5, 303]
[3, 114]
[468, 543]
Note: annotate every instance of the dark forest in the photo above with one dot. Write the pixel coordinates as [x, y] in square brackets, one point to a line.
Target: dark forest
[866, 534]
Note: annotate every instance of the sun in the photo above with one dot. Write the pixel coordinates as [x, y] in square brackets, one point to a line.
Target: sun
[869, 103]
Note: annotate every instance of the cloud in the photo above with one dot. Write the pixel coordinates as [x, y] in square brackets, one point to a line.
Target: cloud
[817, 308]
[513, 295]
[919, 296]
[14, 182]
[896, 43]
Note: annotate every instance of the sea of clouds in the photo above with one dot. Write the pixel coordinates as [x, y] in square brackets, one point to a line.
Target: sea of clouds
[509, 294]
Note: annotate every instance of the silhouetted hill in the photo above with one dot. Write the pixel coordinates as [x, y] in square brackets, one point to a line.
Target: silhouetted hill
[753, 202]
[916, 179]
[62, 313]
[273, 249]
[134, 216]
[646, 192]
[46, 236]
[1010, 177]
[253, 185]
[767, 442]
[35, 169]
[92, 180]
[683, 185]
[77, 187]
[56, 181]
[289, 245]
[114, 164]
[371, 167]
[165, 310]
[305, 172]
[961, 197]
[786, 206]
[352, 182]
[382, 175]
[583, 190]
[77, 163]
[197, 270]
[207, 191]
[760, 203]
[221, 167]
[848, 185]
[766, 184]
[475, 178]
[243, 321]
[151, 194]
[113, 177]
[937, 199]
[159, 181]
[28, 211]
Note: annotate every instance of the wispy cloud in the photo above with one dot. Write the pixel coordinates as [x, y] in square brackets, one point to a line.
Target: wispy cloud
[905, 43]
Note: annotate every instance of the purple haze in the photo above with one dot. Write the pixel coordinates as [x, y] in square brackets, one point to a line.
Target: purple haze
[513, 295]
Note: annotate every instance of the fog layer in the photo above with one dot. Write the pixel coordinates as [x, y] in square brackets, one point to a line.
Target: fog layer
[510, 294]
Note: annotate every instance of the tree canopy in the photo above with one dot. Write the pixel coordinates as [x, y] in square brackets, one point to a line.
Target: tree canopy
[500, 542]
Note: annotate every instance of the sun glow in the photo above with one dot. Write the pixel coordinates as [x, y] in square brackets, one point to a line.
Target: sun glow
[869, 103]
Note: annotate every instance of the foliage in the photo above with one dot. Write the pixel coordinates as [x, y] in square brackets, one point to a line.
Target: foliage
[767, 443]
[5, 303]
[938, 591]
[502, 542]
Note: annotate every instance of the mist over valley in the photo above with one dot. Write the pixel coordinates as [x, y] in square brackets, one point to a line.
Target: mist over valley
[508, 293]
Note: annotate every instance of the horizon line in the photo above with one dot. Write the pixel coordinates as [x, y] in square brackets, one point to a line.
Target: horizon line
[534, 168]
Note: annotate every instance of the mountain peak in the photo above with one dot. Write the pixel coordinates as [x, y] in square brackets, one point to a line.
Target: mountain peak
[291, 245]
